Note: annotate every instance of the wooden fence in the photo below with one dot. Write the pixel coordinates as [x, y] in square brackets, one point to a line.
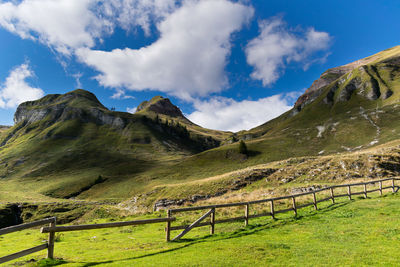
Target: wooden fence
[294, 205]
[48, 245]
[52, 229]
[211, 212]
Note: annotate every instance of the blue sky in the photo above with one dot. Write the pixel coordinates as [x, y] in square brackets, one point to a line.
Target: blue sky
[228, 65]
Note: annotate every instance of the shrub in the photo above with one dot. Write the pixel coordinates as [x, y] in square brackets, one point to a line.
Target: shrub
[99, 180]
[242, 148]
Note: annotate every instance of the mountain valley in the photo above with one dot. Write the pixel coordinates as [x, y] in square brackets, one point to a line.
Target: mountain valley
[68, 148]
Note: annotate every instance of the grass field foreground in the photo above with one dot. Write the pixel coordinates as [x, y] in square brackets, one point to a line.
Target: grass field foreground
[349, 233]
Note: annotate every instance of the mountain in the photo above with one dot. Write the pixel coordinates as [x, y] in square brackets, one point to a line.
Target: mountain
[71, 146]
[348, 109]
[68, 144]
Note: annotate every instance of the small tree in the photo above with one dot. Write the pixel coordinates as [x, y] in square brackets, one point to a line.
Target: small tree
[243, 148]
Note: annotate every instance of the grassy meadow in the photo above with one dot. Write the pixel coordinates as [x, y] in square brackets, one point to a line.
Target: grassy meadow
[349, 233]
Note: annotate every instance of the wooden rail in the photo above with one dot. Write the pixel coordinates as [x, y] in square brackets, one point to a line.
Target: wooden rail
[272, 201]
[24, 226]
[52, 229]
[102, 225]
[49, 245]
[197, 222]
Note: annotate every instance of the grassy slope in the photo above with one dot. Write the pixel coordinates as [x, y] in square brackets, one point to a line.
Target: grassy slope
[347, 127]
[143, 168]
[360, 232]
[46, 159]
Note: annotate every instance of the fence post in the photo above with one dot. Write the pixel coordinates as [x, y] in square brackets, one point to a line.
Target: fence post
[349, 191]
[272, 209]
[212, 221]
[50, 248]
[380, 187]
[315, 201]
[168, 228]
[246, 214]
[294, 206]
[365, 190]
[393, 185]
[332, 196]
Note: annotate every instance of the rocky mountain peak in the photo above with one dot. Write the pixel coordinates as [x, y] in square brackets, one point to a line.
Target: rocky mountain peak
[330, 76]
[160, 105]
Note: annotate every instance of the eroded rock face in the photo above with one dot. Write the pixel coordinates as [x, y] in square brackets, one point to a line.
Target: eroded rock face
[29, 115]
[348, 90]
[107, 119]
[318, 85]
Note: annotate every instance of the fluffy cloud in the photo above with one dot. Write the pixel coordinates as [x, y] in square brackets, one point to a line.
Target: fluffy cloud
[277, 46]
[131, 110]
[66, 25]
[121, 94]
[16, 90]
[187, 60]
[132, 13]
[227, 114]
[62, 25]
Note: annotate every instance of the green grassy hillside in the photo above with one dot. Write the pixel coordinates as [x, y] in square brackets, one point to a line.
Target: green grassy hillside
[61, 145]
[345, 116]
[70, 146]
[359, 232]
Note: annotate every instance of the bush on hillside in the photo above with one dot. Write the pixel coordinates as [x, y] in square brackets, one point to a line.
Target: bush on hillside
[243, 148]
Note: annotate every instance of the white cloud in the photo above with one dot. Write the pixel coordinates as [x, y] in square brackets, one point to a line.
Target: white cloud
[187, 60]
[132, 13]
[120, 94]
[227, 114]
[131, 110]
[62, 25]
[77, 76]
[276, 46]
[66, 25]
[16, 90]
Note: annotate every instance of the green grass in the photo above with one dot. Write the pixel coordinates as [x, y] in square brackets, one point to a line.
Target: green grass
[349, 233]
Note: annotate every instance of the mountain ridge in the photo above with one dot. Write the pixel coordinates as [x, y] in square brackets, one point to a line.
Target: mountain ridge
[62, 144]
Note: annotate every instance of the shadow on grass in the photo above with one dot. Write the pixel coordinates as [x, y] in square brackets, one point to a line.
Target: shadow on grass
[249, 230]
[51, 262]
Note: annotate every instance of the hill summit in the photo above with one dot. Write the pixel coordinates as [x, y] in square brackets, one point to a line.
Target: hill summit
[160, 105]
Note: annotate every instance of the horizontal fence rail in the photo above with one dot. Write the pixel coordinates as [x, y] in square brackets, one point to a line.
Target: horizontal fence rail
[272, 201]
[23, 253]
[102, 225]
[24, 226]
[52, 229]
[49, 245]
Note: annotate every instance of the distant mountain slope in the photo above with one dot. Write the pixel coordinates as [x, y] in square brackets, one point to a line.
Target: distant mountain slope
[349, 108]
